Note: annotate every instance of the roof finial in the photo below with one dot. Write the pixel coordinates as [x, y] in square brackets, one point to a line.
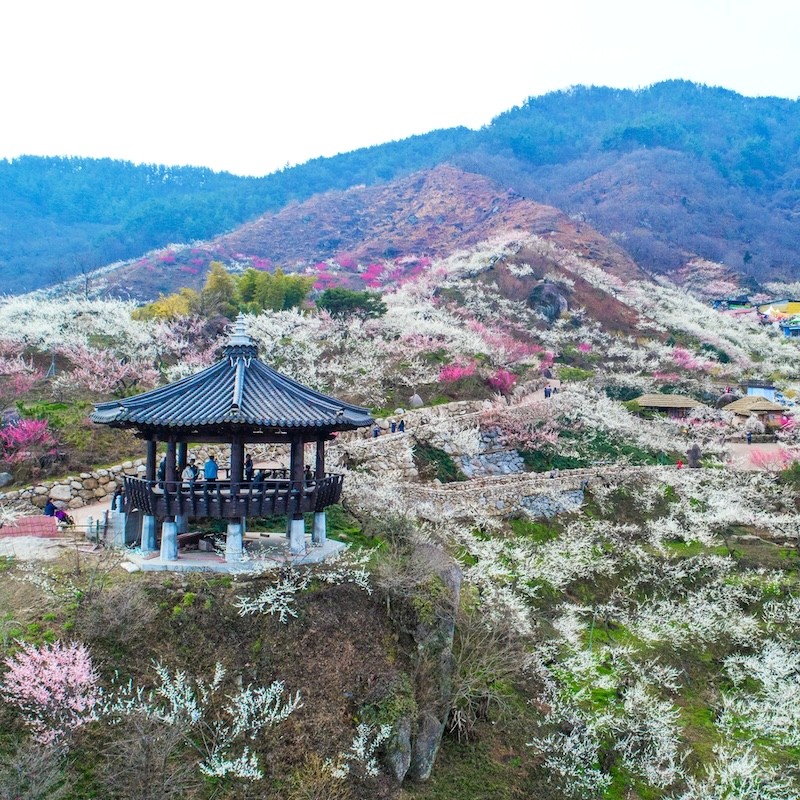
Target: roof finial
[239, 335]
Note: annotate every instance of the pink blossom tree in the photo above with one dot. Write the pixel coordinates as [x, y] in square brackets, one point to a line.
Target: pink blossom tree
[456, 371]
[27, 442]
[102, 372]
[56, 687]
[771, 460]
[502, 381]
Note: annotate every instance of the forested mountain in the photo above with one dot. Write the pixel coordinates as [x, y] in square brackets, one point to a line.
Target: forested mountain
[60, 217]
[669, 172]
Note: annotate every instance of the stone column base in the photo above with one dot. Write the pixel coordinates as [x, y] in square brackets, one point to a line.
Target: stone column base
[319, 534]
[233, 542]
[119, 522]
[148, 544]
[169, 541]
[297, 537]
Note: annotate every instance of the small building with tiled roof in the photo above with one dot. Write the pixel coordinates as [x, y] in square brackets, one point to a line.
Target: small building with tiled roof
[237, 401]
[675, 406]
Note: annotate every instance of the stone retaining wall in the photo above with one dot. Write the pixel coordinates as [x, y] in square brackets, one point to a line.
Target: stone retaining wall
[77, 490]
[500, 495]
[501, 462]
[391, 453]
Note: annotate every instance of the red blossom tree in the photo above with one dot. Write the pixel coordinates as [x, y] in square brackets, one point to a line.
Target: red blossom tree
[456, 371]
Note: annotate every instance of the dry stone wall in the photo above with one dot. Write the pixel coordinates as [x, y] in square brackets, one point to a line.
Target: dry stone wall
[498, 496]
[77, 490]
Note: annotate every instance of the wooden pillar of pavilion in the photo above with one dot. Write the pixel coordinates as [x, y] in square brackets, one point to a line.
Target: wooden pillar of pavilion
[171, 451]
[169, 527]
[319, 467]
[147, 531]
[152, 452]
[296, 464]
[297, 531]
[181, 520]
[182, 451]
[237, 462]
[319, 531]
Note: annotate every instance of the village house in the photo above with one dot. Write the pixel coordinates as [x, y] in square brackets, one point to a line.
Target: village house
[675, 406]
[766, 411]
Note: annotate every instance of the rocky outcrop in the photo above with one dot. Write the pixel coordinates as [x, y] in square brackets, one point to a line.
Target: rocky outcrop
[551, 504]
[548, 299]
[434, 639]
[398, 749]
[504, 462]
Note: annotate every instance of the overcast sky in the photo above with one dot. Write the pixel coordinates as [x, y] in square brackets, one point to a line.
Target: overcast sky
[249, 87]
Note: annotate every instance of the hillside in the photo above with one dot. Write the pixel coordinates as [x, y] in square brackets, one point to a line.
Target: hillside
[672, 172]
[539, 599]
[371, 236]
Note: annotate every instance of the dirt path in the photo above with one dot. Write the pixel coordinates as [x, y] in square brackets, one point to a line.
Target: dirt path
[745, 457]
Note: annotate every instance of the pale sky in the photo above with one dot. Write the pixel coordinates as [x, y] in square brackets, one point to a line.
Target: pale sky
[249, 87]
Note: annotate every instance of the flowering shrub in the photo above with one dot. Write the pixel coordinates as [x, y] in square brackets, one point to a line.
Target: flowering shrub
[27, 442]
[278, 598]
[217, 729]
[56, 687]
[456, 371]
[502, 381]
[361, 754]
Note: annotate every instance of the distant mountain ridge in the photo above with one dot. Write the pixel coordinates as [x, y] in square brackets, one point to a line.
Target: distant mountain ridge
[373, 236]
[671, 173]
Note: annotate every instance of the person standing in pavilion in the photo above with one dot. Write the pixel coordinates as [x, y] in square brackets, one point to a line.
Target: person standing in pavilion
[210, 471]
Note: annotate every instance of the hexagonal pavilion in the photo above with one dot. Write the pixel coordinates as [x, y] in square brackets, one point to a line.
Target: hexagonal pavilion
[237, 401]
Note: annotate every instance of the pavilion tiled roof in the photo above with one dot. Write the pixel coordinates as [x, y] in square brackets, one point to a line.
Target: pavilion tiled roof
[240, 390]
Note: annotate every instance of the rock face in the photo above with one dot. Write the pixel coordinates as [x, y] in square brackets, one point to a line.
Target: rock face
[506, 462]
[434, 639]
[548, 300]
[398, 749]
[548, 505]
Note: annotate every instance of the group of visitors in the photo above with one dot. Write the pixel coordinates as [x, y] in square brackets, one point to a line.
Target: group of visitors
[52, 510]
[549, 391]
[394, 427]
[210, 472]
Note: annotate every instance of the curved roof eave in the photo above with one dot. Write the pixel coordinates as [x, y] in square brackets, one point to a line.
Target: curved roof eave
[238, 391]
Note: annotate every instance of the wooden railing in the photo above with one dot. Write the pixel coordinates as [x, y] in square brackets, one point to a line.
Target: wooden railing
[273, 494]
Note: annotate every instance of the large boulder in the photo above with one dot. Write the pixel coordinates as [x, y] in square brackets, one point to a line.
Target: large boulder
[548, 300]
[62, 492]
[6, 478]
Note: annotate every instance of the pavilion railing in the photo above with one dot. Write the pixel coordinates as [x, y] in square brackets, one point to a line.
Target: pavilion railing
[272, 494]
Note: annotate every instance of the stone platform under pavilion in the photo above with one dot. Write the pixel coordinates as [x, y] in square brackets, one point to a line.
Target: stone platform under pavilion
[262, 552]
